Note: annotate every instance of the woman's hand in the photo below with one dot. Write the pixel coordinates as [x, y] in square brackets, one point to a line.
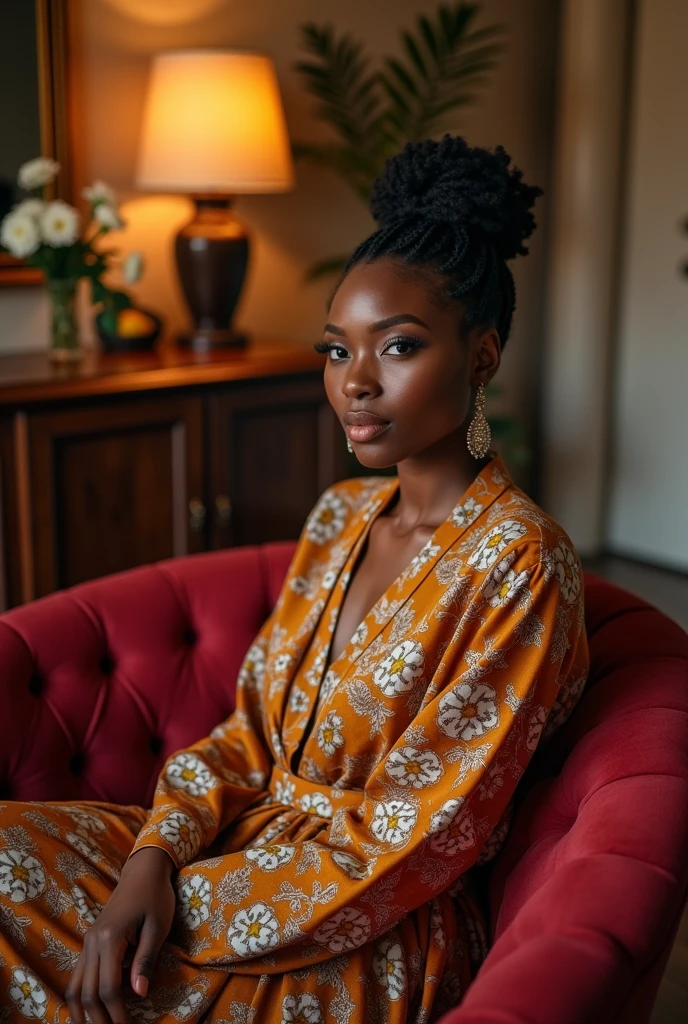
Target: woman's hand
[138, 915]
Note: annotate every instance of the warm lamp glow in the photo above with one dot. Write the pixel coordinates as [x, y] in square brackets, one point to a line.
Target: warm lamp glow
[214, 122]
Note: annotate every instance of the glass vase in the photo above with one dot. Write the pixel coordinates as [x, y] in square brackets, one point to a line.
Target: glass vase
[64, 347]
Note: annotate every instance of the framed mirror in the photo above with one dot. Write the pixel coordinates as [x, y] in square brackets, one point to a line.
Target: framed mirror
[33, 105]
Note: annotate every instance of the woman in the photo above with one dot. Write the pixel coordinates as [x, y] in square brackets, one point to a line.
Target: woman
[308, 861]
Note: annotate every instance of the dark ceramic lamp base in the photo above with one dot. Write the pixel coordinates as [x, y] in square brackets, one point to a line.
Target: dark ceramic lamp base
[212, 255]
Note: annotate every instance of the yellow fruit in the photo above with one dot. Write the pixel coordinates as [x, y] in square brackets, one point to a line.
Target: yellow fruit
[132, 322]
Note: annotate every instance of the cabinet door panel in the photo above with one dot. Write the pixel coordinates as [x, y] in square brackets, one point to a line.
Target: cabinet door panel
[110, 487]
[276, 447]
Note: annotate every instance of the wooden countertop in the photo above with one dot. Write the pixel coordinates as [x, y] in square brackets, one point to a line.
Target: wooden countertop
[32, 377]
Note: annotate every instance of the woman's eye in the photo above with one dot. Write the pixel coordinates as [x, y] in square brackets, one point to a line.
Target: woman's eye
[337, 353]
[402, 346]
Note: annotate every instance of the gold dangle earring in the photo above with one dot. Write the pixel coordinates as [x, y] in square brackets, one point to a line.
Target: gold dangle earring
[479, 434]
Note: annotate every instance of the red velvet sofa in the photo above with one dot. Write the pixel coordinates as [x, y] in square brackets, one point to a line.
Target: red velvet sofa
[100, 683]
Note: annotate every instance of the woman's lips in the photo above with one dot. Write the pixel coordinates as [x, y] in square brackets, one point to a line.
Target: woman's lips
[362, 432]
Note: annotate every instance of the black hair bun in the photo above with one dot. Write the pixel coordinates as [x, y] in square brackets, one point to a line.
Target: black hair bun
[449, 182]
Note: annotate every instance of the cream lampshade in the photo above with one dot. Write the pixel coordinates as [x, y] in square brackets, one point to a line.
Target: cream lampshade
[213, 127]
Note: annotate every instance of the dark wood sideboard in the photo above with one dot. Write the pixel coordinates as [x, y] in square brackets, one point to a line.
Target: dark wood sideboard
[131, 458]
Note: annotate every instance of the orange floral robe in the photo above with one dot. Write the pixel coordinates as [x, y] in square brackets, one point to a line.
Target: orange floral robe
[322, 832]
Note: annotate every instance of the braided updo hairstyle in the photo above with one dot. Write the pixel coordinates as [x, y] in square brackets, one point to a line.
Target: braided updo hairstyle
[460, 212]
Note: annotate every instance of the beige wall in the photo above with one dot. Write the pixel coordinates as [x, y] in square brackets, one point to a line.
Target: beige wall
[112, 44]
[649, 486]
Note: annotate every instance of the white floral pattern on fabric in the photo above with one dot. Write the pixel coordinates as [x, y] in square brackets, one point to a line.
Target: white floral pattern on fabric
[393, 821]
[85, 822]
[181, 833]
[352, 866]
[195, 895]
[271, 856]
[450, 830]
[284, 792]
[464, 515]
[253, 930]
[468, 711]
[252, 671]
[330, 734]
[327, 519]
[301, 1009]
[535, 727]
[86, 908]
[389, 967]
[27, 994]
[398, 672]
[414, 768]
[87, 849]
[22, 877]
[493, 543]
[189, 773]
[298, 700]
[316, 803]
[329, 684]
[347, 929]
[426, 554]
[567, 572]
[360, 635]
[503, 584]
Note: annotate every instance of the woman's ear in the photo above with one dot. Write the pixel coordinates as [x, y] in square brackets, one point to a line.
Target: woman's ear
[486, 355]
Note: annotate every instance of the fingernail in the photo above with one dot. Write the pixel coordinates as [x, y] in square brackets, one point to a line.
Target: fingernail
[141, 985]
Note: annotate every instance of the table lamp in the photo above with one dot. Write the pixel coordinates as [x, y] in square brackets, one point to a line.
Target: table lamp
[213, 127]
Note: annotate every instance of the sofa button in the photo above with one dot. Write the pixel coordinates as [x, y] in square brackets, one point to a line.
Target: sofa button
[190, 636]
[155, 745]
[35, 684]
[107, 664]
[77, 763]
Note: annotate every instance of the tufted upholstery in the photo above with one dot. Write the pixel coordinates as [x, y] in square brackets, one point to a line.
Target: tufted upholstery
[100, 683]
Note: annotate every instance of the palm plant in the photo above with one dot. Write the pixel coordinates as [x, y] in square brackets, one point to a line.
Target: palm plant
[375, 111]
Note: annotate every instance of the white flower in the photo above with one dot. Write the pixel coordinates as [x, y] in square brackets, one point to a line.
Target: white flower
[426, 553]
[327, 519]
[59, 224]
[22, 876]
[189, 1007]
[451, 831]
[347, 929]
[28, 994]
[317, 804]
[360, 635]
[535, 727]
[298, 700]
[567, 572]
[108, 217]
[19, 233]
[464, 515]
[389, 966]
[393, 821]
[398, 672]
[195, 896]
[282, 662]
[99, 192]
[86, 908]
[503, 584]
[188, 772]
[414, 768]
[328, 579]
[468, 711]
[271, 856]
[181, 833]
[253, 930]
[328, 686]
[133, 267]
[32, 207]
[284, 792]
[88, 850]
[252, 669]
[352, 866]
[493, 543]
[37, 173]
[86, 822]
[329, 734]
[301, 1009]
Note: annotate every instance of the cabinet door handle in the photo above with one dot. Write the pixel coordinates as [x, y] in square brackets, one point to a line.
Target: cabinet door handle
[223, 510]
[196, 515]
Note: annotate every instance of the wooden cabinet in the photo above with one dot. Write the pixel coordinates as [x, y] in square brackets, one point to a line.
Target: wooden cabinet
[128, 460]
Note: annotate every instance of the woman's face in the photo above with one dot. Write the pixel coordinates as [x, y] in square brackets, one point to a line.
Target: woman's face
[399, 374]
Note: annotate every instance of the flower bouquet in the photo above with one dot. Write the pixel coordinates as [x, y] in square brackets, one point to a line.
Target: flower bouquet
[47, 235]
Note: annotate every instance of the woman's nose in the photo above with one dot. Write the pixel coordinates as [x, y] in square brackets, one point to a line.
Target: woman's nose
[360, 383]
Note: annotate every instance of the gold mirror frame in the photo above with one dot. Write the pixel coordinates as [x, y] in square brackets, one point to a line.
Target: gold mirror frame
[51, 45]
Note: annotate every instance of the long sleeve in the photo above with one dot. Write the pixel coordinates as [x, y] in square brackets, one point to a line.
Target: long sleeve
[434, 799]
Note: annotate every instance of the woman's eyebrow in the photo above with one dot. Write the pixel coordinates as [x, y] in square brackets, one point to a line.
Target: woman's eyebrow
[333, 329]
[394, 321]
